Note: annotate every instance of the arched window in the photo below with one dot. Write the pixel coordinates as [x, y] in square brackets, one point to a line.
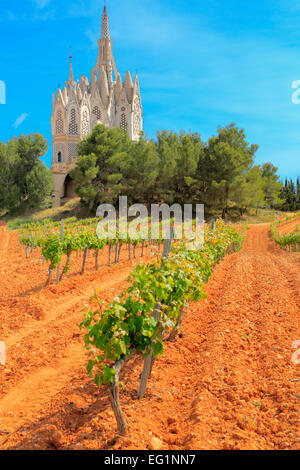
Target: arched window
[59, 123]
[85, 125]
[73, 126]
[72, 151]
[137, 120]
[137, 124]
[59, 151]
[123, 123]
[97, 113]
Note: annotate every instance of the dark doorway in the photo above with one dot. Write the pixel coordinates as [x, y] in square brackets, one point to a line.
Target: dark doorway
[69, 188]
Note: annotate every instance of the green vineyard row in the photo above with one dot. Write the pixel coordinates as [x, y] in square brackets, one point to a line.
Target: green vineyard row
[289, 241]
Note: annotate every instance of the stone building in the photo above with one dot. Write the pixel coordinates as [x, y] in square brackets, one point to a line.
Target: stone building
[79, 106]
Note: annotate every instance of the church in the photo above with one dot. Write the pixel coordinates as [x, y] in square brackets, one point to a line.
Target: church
[79, 106]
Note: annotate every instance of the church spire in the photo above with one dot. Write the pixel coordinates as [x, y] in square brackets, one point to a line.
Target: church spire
[105, 25]
[71, 76]
[71, 82]
[105, 56]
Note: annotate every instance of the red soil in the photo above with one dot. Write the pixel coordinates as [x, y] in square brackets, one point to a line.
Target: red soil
[289, 226]
[227, 383]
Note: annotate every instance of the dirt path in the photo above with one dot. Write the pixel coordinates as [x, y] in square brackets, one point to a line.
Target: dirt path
[228, 383]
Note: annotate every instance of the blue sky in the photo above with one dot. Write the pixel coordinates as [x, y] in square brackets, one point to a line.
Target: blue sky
[201, 64]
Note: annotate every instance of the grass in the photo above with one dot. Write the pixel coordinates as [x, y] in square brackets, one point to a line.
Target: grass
[72, 208]
[262, 216]
[252, 216]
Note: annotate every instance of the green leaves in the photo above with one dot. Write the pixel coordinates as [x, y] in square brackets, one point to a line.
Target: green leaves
[52, 249]
[128, 323]
[25, 182]
[289, 240]
[157, 348]
[108, 374]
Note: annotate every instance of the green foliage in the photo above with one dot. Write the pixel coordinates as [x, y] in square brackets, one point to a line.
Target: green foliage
[179, 158]
[289, 241]
[290, 195]
[247, 190]
[177, 168]
[272, 186]
[96, 165]
[127, 323]
[52, 249]
[226, 159]
[25, 182]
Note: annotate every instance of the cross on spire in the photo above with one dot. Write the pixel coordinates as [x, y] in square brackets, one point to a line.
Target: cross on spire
[71, 80]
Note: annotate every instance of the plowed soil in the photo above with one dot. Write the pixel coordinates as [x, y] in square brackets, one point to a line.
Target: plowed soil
[231, 381]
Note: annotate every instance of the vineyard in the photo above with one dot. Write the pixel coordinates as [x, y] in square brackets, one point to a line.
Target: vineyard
[286, 233]
[50, 241]
[155, 301]
[182, 349]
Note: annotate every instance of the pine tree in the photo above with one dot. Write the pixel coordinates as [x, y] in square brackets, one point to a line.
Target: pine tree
[25, 182]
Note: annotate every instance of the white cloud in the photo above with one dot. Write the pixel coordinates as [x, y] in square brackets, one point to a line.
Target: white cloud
[20, 120]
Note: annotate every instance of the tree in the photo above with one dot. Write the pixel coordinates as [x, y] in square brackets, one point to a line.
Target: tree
[177, 168]
[289, 194]
[298, 194]
[226, 157]
[179, 156]
[271, 186]
[25, 182]
[247, 190]
[96, 175]
[135, 172]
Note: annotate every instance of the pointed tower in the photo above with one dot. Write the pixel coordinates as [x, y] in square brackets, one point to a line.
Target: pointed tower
[137, 110]
[105, 56]
[71, 84]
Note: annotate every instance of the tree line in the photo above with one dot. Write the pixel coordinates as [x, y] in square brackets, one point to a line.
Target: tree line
[175, 168]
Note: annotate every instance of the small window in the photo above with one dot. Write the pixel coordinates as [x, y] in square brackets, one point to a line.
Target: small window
[59, 158]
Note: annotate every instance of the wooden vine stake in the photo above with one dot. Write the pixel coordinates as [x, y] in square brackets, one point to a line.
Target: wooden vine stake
[41, 255]
[115, 399]
[84, 261]
[61, 240]
[97, 260]
[148, 361]
[31, 238]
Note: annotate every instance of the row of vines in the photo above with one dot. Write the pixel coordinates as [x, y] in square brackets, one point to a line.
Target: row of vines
[69, 237]
[288, 241]
[150, 311]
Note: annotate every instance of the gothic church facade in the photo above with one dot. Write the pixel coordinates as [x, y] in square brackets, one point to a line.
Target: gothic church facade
[79, 106]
